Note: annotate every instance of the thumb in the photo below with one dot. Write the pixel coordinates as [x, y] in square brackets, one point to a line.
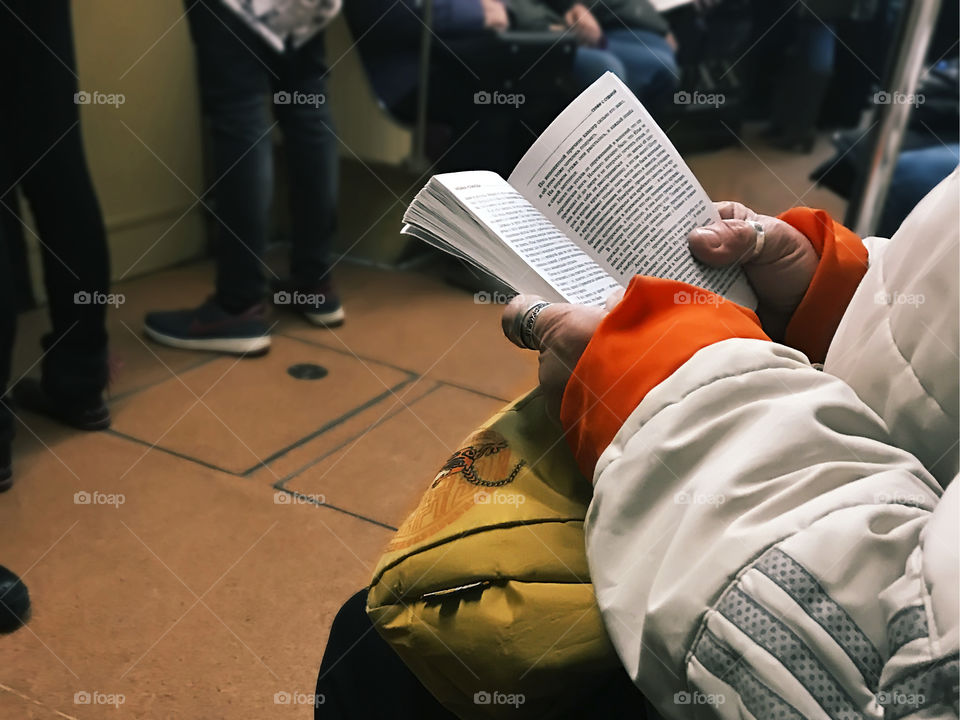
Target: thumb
[724, 243]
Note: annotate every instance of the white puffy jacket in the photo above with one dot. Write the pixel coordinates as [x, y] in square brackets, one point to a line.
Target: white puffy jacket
[768, 540]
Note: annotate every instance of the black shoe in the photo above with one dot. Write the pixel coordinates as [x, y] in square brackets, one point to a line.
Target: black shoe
[30, 395]
[320, 304]
[14, 601]
[210, 327]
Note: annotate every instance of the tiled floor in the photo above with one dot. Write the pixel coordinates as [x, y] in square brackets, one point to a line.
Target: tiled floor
[235, 507]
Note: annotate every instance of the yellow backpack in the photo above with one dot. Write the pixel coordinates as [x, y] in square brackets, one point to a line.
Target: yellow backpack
[484, 591]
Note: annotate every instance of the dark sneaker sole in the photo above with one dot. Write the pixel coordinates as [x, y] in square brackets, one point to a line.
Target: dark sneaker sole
[252, 346]
[333, 318]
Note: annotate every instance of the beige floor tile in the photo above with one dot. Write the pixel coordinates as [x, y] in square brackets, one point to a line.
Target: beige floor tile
[425, 325]
[766, 179]
[16, 705]
[236, 414]
[116, 588]
[382, 473]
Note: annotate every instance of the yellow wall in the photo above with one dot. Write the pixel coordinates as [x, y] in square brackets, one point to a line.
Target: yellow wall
[142, 50]
[365, 130]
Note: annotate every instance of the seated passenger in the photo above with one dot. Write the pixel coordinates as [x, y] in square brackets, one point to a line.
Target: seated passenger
[766, 538]
[626, 37]
[482, 135]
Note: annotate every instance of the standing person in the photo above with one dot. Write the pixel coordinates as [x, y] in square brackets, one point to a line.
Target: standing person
[249, 51]
[41, 152]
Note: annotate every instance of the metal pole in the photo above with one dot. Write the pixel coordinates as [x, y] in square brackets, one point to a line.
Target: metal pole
[892, 113]
[418, 160]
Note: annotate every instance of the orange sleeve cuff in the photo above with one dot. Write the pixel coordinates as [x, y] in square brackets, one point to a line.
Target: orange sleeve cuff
[843, 261]
[654, 330]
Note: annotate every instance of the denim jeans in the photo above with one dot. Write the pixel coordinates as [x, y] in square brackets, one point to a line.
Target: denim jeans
[41, 152]
[917, 172]
[241, 79]
[643, 60]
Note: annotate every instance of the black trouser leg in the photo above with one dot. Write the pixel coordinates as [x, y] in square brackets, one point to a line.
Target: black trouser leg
[45, 156]
[362, 677]
[8, 325]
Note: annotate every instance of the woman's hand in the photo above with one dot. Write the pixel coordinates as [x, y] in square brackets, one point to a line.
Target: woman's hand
[584, 25]
[561, 334]
[780, 272]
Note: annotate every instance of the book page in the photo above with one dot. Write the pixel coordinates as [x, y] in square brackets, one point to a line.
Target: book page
[606, 175]
[546, 251]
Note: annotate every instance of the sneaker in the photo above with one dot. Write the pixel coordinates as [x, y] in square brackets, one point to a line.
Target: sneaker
[210, 327]
[30, 395]
[320, 305]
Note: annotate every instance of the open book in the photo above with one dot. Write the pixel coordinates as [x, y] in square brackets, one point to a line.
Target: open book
[600, 197]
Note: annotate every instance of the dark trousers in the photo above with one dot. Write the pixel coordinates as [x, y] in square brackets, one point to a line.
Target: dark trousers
[362, 677]
[241, 79]
[41, 152]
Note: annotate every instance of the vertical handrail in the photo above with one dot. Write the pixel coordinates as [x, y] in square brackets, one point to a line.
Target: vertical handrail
[418, 160]
[908, 54]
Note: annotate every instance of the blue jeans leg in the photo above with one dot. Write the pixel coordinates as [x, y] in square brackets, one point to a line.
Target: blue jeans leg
[590, 63]
[232, 65]
[312, 161]
[651, 67]
[917, 172]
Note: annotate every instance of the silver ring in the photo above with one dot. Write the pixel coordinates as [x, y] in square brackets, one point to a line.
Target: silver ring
[761, 238]
[528, 321]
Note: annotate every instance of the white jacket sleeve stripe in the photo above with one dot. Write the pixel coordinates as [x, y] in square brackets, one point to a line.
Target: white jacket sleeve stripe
[762, 702]
[907, 625]
[809, 594]
[932, 686]
[774, 636]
